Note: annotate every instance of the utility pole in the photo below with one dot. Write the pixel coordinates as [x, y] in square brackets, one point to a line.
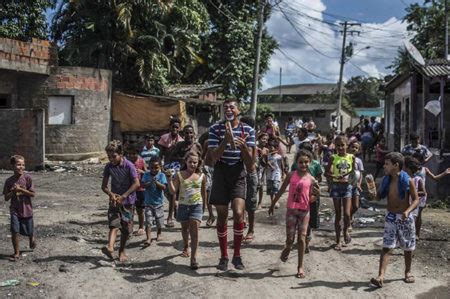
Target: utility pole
[280, 94]
[341, 70]
[254, 100]
[446, 30]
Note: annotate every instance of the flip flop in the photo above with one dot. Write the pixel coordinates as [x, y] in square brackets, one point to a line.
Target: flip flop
[13, 258]
[410, 279]
[376, 282]
[285, 255]
[300, 275]
[185, 253]
[338, 247]
[108, 253]
[248, 239]
[194, 266]
[140, 232]
[347, 239]
[170, 224]
[210, 221]
[33, 244]
[147, 244]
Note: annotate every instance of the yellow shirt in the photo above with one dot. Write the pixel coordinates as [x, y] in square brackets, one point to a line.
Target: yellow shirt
[341, 165]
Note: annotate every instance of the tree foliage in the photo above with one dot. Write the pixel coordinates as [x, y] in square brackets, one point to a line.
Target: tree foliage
[364, 91]
[24, 19]
[229, 46]
[426, 21]
[150, 44]
[147, 44]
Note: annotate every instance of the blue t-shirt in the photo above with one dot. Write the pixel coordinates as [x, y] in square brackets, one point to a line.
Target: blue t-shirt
[152, 195]
[217, 134]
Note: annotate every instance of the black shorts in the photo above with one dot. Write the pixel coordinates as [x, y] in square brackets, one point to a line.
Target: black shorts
[314, 220]
[140, 198]
[229, 182]
[251, 199]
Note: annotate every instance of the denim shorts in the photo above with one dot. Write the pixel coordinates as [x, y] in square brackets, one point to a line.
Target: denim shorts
[22, 225]
[340, 191]
[187, 212]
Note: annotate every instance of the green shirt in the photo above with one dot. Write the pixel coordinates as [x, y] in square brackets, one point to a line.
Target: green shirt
[314, 168]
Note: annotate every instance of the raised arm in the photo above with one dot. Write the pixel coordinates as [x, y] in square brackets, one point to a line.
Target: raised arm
[283, 187]
[439, 176]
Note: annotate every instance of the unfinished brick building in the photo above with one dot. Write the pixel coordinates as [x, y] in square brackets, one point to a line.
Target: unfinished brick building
[50, 111]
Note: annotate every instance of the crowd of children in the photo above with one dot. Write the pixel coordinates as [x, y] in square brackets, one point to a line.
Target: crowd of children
[229, 165]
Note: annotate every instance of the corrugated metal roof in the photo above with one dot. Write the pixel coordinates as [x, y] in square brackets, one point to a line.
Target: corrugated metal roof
[436, 68]
[288, 107]
[190, 90]
[300, 89]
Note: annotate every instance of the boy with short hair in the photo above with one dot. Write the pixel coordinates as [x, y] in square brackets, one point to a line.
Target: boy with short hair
[19, 189]
[141, 168]
[399, 227]
[150, 151]
[122, 197]
[155, 183]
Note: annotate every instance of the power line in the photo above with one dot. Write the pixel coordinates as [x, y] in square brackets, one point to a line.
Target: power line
[306, 41]
[304, 68]
[340, 17]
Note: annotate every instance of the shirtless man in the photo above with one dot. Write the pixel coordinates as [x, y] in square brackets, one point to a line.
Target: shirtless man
[399, 227]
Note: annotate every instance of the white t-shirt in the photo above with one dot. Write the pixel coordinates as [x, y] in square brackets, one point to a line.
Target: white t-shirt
[274, 172]
[298, 142]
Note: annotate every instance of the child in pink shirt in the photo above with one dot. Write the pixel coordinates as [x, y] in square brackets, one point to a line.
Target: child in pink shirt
[303, 189]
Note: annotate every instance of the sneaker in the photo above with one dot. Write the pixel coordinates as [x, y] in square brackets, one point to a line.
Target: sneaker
[237, 262]
[223, 264]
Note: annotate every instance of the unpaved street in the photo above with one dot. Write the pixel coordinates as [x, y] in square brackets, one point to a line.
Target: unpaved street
[71, 226]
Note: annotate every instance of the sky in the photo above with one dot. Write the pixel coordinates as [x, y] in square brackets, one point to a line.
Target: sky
[308, 33]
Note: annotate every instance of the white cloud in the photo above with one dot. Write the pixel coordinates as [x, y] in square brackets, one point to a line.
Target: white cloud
[383, 39]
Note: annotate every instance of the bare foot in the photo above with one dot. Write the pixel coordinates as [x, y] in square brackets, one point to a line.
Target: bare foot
[140, 232]
[123, 257]
[147, 243]
[338, 247]
[159, 237]
[185, 252]
[347, 238]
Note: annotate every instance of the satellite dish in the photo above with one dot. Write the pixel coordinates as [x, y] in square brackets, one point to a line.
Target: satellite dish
[415, 54]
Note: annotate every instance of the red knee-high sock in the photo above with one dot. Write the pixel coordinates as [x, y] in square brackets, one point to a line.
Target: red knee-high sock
[222, 235]
[238, 229]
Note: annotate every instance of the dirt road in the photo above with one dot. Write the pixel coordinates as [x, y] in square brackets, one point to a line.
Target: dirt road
[71, 226]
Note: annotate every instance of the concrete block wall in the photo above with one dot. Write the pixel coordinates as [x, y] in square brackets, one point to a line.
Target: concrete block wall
[37, 56]
[23, 134]
[91, 112]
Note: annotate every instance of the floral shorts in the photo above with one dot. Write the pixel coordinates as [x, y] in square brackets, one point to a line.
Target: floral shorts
[297, 220]
[399, 232]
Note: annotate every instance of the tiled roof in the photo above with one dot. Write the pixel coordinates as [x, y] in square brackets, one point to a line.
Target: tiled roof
[300, 89]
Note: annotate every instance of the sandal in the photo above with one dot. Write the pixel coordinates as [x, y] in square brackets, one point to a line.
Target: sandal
[108, 252]
[14, 258]
[347, 239]
[338, 247]
[194, 266]
[170, 224]
[300, 275]
[248, 239]
[410, 278]
[140, 232]
[376, 282]
[185, 253]
[285, 255]
[147, 244]
[210, 221]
